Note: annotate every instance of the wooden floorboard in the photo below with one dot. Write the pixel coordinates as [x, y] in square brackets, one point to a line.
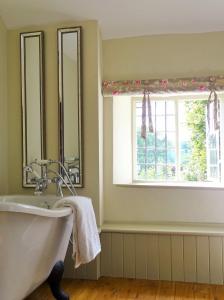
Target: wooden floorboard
[129, 289]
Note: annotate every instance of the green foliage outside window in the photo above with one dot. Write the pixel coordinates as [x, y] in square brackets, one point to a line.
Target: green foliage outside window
[196, 168]
[161, 165]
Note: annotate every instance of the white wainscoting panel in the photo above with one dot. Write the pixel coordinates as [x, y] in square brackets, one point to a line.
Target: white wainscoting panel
[216, 260]
[177, 250]
[141, 256]
[165, 270]
[129, 256]
[153, 257]
[117, 254]
[105, 257]
[177, 257]
[203, 275]
[190, 262]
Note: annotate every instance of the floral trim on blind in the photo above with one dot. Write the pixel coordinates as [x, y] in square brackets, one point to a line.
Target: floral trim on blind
[137, 87]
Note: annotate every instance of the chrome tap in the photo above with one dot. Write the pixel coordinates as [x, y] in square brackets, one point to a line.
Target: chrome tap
[41, 185]
[44, 180]
[58, 181]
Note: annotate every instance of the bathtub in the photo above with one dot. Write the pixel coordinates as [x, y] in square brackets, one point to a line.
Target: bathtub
[33, 237]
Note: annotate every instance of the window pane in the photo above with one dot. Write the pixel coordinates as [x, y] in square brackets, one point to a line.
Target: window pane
[185, 155]
[170, 108]
[171, 172]
[150, 172]
[213, 157]
[198, 148]
[212, 141]
[214, 172]
[146, 172]
[161, 140]
[171, 139]
[140, 140]
[161, 172]
[141, 172]
[150, 140]
[150, 156]
[160, 123]
[160, 108]
[170, 123]
[141, 159]
[153, 103]
[161, 157]
[171, 156]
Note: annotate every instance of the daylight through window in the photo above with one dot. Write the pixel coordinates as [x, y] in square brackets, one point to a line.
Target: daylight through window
[181, 147]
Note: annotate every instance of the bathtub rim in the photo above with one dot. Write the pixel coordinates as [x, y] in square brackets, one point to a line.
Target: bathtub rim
[17, 207]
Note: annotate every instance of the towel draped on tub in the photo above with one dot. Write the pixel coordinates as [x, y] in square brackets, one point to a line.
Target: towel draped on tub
[86, 242]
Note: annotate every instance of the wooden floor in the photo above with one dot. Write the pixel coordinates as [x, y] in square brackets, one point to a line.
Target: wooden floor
[127, 289]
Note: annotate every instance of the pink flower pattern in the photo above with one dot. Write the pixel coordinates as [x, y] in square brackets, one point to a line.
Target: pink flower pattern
[137, 87]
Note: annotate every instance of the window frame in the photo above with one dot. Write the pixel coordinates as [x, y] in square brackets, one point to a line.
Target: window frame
[134, 152]
[177, 182]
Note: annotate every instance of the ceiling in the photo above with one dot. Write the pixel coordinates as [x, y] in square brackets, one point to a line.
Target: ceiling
[120, 18]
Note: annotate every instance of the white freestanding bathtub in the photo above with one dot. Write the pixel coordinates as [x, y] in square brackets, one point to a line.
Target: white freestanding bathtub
[33, 237]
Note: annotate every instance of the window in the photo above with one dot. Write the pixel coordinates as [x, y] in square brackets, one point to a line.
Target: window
[181, 147]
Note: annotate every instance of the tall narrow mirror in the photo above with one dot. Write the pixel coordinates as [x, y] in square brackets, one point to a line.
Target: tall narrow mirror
[70, 137]
[32, 83]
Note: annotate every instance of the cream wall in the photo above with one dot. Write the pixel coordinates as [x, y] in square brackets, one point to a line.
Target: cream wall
[3, 111]
[91, 93]
[164, 56]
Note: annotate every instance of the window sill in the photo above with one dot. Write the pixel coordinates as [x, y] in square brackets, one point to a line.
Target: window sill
[166, 228]
[206, 185]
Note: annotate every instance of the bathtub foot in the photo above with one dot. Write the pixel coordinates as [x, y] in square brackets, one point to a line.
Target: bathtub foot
[54, 281]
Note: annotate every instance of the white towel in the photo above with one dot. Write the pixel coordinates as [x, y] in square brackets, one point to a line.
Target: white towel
[86, 242]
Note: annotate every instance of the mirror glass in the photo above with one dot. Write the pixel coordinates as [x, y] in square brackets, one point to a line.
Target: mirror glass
[70, 139]
[31, 46]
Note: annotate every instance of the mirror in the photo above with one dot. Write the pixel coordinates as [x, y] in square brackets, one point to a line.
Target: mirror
[69, 68]
[32, 90]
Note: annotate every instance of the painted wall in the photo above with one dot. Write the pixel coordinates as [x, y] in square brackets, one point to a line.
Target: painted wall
[3, 111]
[91, 92]
[164, 56]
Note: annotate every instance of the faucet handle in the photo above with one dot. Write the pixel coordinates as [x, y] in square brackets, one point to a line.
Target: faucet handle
[33, 179]
[58, 181]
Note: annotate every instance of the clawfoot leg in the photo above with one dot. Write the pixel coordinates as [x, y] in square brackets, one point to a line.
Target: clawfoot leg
[54, 281]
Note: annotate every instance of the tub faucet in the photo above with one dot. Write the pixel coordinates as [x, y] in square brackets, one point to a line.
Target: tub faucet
[41, 185]
[58, 181]
[44, 180]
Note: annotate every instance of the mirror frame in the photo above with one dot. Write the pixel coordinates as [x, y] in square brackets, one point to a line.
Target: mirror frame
[23, 37]
[61, 32]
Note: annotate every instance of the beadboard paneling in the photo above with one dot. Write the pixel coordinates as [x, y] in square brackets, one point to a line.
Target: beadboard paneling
[190, 261]
[165, 257]
[117, 255]
[177, 250]
[141, 256]
[105, 256]
[216, 261]
[129, 256]
[203, 275]
[154, 256]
